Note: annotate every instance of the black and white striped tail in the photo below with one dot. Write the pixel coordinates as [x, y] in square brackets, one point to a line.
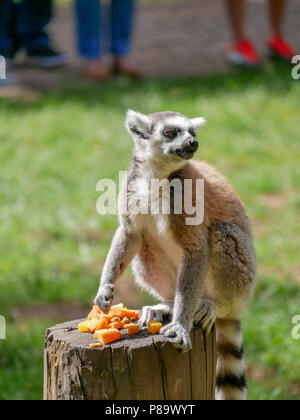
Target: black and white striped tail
[231, 375]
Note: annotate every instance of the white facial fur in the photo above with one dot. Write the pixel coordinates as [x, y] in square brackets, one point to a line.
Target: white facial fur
[149, 133]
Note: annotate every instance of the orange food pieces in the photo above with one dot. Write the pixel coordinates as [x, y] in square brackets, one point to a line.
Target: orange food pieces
[105, 327]
[95, 345]
[116, 312]
[119, 311]
[102, 324]
[119, 325]
[154, 327]
[107, 336]
[95, 312]
[131, 314]
[132, 329]
[93, 325]
[88, 326]
[120, 305]
[123, 312]
[84, 326]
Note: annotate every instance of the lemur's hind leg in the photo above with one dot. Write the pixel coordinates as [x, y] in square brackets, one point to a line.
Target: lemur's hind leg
[233, 267]
[206, 316]
[234, 274]
[155, 273]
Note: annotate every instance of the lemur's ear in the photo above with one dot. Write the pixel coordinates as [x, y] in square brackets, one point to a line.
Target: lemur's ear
[198, 123]
[138, 124]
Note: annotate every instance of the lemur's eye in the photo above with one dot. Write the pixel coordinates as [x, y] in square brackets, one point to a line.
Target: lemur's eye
[192, 132]
[171, 133]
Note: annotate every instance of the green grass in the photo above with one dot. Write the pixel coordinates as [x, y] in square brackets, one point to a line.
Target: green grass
[53, 152]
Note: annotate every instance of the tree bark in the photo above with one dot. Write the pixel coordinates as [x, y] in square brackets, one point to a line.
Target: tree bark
[140, 367]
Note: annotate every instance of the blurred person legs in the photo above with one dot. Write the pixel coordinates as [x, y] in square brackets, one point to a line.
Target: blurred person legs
[88, 13]
[8, 44]
[243, 52]
[30, 19]
[278, 46]
[91, 37]
[122, 13]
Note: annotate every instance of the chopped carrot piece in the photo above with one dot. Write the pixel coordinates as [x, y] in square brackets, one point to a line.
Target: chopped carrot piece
[95, 345]
[108, 317]
[116, 312]
[88, 326]
[119, 325]
[94, 313]
[97, 313]
[132, 329]
[120, 305]
[127, 320]
[116, 319]
[107, 336]
[124, 313]
[83, 327]
[93, 325]
[154, 327]
[131, 314]
[102, 324]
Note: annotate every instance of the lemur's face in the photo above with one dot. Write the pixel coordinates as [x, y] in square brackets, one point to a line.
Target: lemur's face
[167, 134]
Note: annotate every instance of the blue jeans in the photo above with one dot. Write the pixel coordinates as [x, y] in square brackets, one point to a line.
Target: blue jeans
[91, 27]
[22, 24]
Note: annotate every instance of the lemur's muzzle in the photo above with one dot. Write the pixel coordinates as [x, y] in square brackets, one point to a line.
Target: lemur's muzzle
[188, 148]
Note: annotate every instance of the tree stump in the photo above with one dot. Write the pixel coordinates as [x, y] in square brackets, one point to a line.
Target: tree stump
[140, 367]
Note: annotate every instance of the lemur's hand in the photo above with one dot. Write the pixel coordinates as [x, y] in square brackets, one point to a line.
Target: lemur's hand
[105, 297]
[178, 335]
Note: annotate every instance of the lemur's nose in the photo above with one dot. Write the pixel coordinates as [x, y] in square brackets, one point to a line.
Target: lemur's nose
[194, 144]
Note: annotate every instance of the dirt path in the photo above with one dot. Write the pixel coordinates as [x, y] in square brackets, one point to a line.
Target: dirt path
[180, 37]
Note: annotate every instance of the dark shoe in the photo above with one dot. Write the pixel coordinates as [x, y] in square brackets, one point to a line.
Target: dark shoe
[45, 56]
[9, 53]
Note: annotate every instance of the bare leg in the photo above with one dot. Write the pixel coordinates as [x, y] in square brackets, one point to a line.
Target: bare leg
[236, 12]
[277, 11]
[123, 249]
[96, 70]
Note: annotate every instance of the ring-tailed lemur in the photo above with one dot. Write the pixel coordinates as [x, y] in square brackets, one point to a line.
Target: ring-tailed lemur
[203, 274]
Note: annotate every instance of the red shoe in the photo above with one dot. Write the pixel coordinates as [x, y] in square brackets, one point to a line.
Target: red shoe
[281, 49]
[243, 54]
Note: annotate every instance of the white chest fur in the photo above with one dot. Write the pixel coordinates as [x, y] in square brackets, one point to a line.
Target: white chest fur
[148, 204]
[153, 219]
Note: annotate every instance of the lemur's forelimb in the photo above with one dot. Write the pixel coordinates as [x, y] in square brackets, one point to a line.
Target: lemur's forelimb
[160, 312]
[188, 295]
[125, 246]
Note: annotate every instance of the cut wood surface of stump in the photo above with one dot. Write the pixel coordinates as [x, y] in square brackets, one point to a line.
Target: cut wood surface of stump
[139, 367]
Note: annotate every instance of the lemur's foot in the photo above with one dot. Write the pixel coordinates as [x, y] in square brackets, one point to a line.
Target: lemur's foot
[177, 335]
[105, 297]
[157, 312]
[206, 317]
